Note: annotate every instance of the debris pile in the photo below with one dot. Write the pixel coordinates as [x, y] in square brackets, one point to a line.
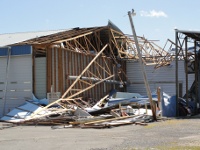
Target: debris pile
[77, 113]
[115, 109]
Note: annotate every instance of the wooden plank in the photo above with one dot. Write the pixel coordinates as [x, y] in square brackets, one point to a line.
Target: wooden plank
[69, 67]
[71, 96]
[73, 38]
[81, 47]
[141, 123]
[76, 69]
[80, 68]
[59, 70]
[49, 69]
[118, 123]
[54, 70]
[64, 70]
[89, 92]
[101, 71]
[84, 71]
[107, 66]
[87, 47]
[114, 114]
[84, 65]
[102, 68]
[78, 78]
[94, 126]
[106, 120]
[114, 42]
[90, 44]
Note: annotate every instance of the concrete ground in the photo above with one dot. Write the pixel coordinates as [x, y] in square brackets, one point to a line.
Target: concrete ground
[170, 134]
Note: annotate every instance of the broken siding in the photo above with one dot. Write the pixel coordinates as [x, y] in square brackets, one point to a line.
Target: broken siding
[163, 77]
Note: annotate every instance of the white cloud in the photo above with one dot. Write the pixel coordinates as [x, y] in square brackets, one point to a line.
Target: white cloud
[175, 27]
[153, 13]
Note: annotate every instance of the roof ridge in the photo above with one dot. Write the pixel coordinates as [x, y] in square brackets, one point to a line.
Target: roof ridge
[35, 31]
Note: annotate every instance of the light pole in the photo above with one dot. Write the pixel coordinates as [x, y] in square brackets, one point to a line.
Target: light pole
[142, 65]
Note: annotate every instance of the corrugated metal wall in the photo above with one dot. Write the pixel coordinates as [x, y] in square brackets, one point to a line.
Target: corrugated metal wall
[19, 83]
[15, 77]
[163, 77]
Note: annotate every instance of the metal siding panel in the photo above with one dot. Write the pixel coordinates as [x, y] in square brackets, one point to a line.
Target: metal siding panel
[17, 50]
[3, 62]
[164, 77]
[3, 51]
[21, 50]
[19, 81]
[40, 77]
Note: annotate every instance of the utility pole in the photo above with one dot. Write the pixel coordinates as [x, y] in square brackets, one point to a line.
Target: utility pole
[142, 65]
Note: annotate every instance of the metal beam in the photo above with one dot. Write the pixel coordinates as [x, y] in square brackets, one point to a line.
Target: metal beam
[176, 73]
[96, 80]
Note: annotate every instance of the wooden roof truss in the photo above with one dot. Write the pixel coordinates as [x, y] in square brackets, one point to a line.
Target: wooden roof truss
[100, 42]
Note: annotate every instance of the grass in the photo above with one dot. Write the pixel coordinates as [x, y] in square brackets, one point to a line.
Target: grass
[178, 148]
[167, 148]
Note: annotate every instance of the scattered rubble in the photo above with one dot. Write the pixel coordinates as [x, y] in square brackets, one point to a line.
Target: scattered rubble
[115, 109]
[106, 113]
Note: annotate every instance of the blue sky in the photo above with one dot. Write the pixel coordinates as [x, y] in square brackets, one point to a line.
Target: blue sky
[155, 19]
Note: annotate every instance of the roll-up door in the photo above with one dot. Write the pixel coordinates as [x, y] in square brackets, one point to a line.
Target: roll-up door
[15, 77]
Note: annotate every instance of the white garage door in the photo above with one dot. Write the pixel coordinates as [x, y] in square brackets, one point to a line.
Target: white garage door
[16, 84]
[168, 88]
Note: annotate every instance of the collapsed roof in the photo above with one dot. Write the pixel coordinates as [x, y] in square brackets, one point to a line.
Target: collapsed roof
[84, 40]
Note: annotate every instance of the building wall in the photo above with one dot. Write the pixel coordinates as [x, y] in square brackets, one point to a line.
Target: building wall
[64, 63]
[163, 77]
[15, 77]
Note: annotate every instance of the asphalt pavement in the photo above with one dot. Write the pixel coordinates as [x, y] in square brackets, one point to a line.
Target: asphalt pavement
[168, 134]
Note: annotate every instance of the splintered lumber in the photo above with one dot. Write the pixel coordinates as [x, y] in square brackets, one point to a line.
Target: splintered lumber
[89, 119]
[38, 116]
[81, 113]
[78, 78]
[6, 125]
[106, 120]
[141, 123]
[73, 84]
[61, 126]
[76, 37]
[127, 121]
[118, 123]
[101, 126]
[114, 114]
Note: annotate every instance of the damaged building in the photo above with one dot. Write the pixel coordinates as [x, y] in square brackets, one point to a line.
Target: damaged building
[46, 66]
[83, 62]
